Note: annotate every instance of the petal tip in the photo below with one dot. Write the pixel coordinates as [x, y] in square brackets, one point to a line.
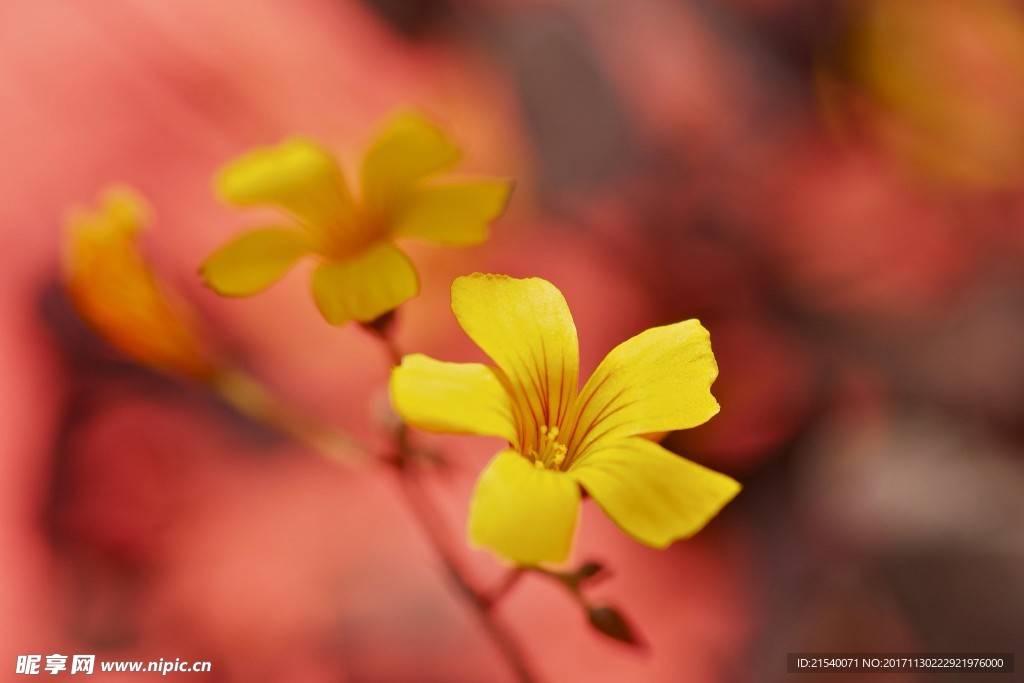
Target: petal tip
[218, 287]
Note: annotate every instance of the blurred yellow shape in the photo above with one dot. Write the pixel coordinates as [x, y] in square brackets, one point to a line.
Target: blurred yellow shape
[949, 78]
[561, 438]
[360, 274]
[115, 290]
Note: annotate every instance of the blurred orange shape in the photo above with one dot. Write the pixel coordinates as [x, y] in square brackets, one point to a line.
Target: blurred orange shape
[115, 290]
[948, 80]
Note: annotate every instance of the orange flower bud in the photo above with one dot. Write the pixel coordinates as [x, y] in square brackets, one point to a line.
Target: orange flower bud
[116, 292]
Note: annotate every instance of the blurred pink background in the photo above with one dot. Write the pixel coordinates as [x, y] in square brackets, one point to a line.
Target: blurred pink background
[834, 189]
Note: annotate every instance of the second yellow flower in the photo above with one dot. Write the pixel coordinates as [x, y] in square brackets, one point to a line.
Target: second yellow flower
[361, 274]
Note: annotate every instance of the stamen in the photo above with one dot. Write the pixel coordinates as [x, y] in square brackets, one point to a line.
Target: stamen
[560, 455]
[550, 454]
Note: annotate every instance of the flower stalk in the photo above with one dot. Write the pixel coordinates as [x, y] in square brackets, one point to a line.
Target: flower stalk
[427, 515]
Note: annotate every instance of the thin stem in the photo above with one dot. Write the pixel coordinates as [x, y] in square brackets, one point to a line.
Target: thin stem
[394, 355]
[381, 330]
[505, 587]
[569, 580]
[427, 514]
[430, 519]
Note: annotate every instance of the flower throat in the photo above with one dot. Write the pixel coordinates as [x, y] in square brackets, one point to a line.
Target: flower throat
[550, 453]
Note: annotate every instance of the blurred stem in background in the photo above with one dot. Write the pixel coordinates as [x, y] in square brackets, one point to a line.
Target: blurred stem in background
[251, 398]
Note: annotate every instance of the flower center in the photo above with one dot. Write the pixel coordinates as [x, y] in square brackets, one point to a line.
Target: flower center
[550, 453]
[349, 239]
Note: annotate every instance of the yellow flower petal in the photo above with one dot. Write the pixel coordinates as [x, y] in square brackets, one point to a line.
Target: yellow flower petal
[525, 514]
[365, 287]
[253, 261]
[659, 380]
[407, 149]
[653, 495]
[454, 214]
[526, 328]
[297, 175]
[452, 398]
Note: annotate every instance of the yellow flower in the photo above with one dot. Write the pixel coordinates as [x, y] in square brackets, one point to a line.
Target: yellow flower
[114, 289]
[360, 274]
[562, 438]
